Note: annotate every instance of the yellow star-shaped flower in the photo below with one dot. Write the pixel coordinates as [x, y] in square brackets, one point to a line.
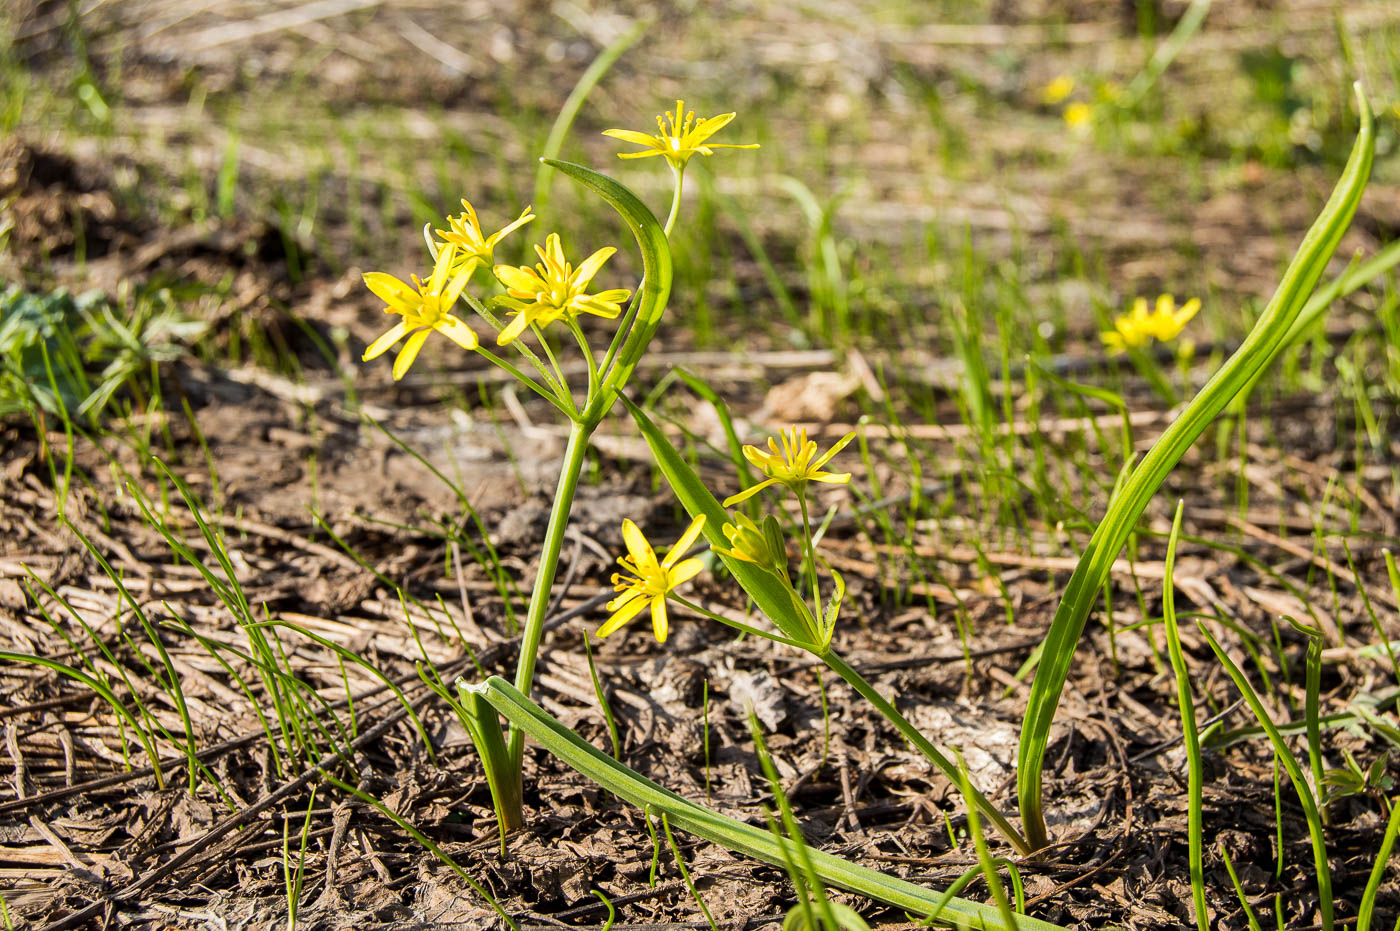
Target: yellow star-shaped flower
[1139, 327]
[680, 137]
[794, 464]
[473, 246]
[554, 289]
[424, 307]
[650, 580]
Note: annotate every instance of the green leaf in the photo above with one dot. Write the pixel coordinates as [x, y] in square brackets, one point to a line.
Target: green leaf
[742, 838]
[652, 293]
[1258, 350]
[767, 591]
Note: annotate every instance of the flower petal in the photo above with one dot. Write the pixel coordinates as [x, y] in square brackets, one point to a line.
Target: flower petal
[637, 546]
[688, 569]
[382, 344]
[825, 457]
[519, 279]
[630, 589]
[457, 331]
[658, 618]
[409, 353]
[706, 128]
[590, 266]
[748, 493]
[631, 135]
[525, 217]
[686, 541]
[622, 616]
[392, 291]
[441, 267]
[514, 328]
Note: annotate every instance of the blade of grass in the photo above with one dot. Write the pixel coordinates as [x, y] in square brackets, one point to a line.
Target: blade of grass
[1290, 765]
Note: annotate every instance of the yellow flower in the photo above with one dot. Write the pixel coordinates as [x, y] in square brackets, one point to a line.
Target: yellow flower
[474, 247]
[794, 465]
[1057, 90]
[1078, 115]
[649, 580]
[424, 308]
[680, 137]
[761, 545]
[1138, 328]
[554, 289]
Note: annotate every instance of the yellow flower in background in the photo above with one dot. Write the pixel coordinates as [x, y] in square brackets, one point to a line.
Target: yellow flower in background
[680, 137]
[650, 580]
[1057, 90]
[1139, 327]
[473, 246]
[1078, 115]
[424, 308]
[794, 464]
[554, 289]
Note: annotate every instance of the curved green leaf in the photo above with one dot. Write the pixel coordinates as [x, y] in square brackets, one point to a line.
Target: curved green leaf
[742, 838]
[1258, 350]
[652, 292]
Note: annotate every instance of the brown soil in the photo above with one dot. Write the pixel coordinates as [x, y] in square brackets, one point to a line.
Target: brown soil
[87, 842]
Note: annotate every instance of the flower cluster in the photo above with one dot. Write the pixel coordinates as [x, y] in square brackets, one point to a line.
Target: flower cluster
[551, 291]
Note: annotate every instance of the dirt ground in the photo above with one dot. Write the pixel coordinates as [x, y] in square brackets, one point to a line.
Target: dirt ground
[304, 480]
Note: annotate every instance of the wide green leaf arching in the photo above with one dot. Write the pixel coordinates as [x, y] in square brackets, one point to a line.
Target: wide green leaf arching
[742, 838]
[652, 292]
[772, 597]
[1259, 348]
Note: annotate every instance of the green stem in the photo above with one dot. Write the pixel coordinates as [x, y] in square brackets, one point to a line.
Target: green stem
[924, 746]
[679, 174]
[740, 625]
[544, 578]
[811, 556]
[546, 393]
[587, 355]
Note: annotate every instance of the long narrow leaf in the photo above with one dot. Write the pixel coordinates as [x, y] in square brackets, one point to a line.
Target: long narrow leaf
[734, 835]
[655, 287]
[1256, 352]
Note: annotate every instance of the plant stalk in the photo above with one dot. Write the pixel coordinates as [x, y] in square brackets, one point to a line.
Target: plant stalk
[574, 452]
[926, 747]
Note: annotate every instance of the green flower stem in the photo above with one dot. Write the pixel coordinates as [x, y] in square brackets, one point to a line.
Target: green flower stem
[740, 625]
[811, 556]
[924, 746]
[527, 381]
[587, 355]
[544, 578]
[743, 838]
[679, 174]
